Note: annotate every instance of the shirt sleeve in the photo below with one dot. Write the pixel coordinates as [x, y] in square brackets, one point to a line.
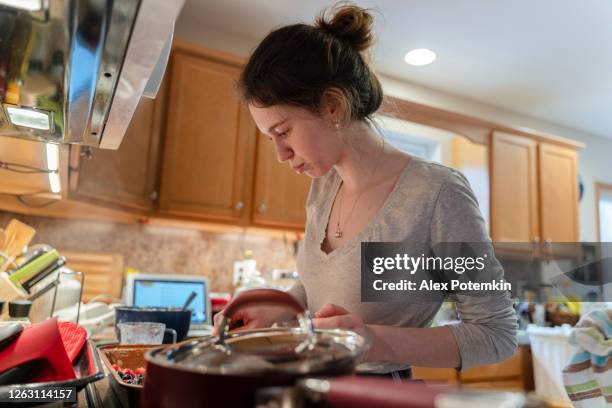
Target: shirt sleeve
[487, 331]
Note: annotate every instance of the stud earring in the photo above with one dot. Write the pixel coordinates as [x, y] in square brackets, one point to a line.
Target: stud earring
[337, 124]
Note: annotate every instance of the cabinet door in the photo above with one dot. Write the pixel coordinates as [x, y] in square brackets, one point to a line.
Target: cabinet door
[125, 177]
[558, 193]
[514, 194]
[209, 142]
[280, 193]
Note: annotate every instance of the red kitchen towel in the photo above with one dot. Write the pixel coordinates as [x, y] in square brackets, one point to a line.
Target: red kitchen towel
[74, 337]
[40, 341]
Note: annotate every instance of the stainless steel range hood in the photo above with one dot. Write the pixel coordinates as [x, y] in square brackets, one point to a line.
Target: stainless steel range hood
[73, 71]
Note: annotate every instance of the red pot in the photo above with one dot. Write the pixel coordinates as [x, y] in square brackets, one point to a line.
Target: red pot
[228, 369]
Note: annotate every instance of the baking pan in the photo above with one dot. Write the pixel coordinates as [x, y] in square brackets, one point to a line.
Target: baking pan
[126, 356]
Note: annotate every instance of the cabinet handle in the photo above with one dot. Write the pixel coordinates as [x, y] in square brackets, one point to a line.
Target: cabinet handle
[239, 205]
[536, 240]
[263, 207]
[153, 196]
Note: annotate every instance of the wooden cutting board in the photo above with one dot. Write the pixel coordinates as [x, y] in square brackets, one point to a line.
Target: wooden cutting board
[103, 272]
[17, 236]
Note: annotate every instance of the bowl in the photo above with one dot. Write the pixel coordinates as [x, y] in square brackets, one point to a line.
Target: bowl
[173, 318]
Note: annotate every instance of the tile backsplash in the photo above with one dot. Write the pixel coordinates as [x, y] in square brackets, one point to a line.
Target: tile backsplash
[161, 249]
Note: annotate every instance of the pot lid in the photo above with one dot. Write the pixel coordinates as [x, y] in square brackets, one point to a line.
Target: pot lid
[264, 351]
[287, 350]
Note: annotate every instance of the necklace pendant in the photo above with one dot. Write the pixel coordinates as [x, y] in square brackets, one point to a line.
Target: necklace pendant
[338, 234]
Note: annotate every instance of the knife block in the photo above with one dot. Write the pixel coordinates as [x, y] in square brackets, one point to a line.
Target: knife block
[9, 292]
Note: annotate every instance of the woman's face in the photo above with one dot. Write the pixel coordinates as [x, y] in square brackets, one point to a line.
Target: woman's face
[303, 140]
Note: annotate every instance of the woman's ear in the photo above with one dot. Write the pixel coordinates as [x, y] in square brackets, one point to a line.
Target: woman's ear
[334, 107]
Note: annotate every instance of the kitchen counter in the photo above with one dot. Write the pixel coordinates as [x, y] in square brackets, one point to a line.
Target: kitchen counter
[101, 395]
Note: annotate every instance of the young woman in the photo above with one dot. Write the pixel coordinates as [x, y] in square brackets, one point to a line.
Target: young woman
[311, 92]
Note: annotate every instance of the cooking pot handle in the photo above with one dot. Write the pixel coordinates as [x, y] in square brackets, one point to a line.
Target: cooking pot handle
[268, 297]
[365, 392]
[262, 296]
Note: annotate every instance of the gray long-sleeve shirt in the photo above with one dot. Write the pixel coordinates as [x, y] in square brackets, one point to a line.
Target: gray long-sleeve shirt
[430, 203]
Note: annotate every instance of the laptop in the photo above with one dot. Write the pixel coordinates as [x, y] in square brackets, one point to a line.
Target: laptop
[161, 290]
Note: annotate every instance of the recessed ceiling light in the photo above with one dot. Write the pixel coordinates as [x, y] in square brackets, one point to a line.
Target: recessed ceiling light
[420, 56]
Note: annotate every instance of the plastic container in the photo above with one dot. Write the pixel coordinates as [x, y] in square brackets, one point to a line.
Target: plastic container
[550, 351]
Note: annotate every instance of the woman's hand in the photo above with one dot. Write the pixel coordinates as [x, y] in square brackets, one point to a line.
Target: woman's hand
[255, 317]
[332, 316]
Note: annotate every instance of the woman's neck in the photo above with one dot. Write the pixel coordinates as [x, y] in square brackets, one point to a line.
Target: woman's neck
[363, 157]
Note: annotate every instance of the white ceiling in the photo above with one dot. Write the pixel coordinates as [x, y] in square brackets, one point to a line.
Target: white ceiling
[548, 59]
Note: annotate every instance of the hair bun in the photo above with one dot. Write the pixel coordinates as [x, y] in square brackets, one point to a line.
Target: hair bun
[349, 23]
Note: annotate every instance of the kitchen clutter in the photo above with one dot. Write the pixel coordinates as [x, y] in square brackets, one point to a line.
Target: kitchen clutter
[34, 280]
[46, 354]
[36, 348]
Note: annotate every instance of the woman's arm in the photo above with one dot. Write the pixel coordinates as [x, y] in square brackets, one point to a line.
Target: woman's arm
[486, 334]
[487, 331]
[430, 347]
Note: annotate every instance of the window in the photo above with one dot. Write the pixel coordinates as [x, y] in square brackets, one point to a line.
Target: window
[418, 146]
[603, 195]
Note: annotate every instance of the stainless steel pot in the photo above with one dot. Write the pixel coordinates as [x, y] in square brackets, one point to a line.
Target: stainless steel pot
[228, 369]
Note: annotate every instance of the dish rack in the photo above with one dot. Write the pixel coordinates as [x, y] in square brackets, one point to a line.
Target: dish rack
[52, 287]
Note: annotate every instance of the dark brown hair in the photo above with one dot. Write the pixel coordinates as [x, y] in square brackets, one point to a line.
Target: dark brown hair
[294, 65]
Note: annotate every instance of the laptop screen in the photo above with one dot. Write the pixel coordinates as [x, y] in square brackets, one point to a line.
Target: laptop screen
[167, 293]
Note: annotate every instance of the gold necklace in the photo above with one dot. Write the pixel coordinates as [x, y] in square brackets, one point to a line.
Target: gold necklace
[339, 233]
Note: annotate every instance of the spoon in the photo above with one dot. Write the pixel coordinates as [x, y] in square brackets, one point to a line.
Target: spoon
[189, 300]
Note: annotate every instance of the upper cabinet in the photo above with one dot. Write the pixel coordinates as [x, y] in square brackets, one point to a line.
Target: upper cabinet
[209, 143]
[280, 194]
[534, 190]
[514, 189]
[558, 193]
[127, 177]
[215, 166]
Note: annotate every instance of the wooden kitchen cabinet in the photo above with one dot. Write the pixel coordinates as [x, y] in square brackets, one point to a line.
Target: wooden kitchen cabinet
[215, 166]
[127, 177]
[209, 142]
[514, 190]
[515, 373]
[534, 192]
[558, 179]
[280, 194]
